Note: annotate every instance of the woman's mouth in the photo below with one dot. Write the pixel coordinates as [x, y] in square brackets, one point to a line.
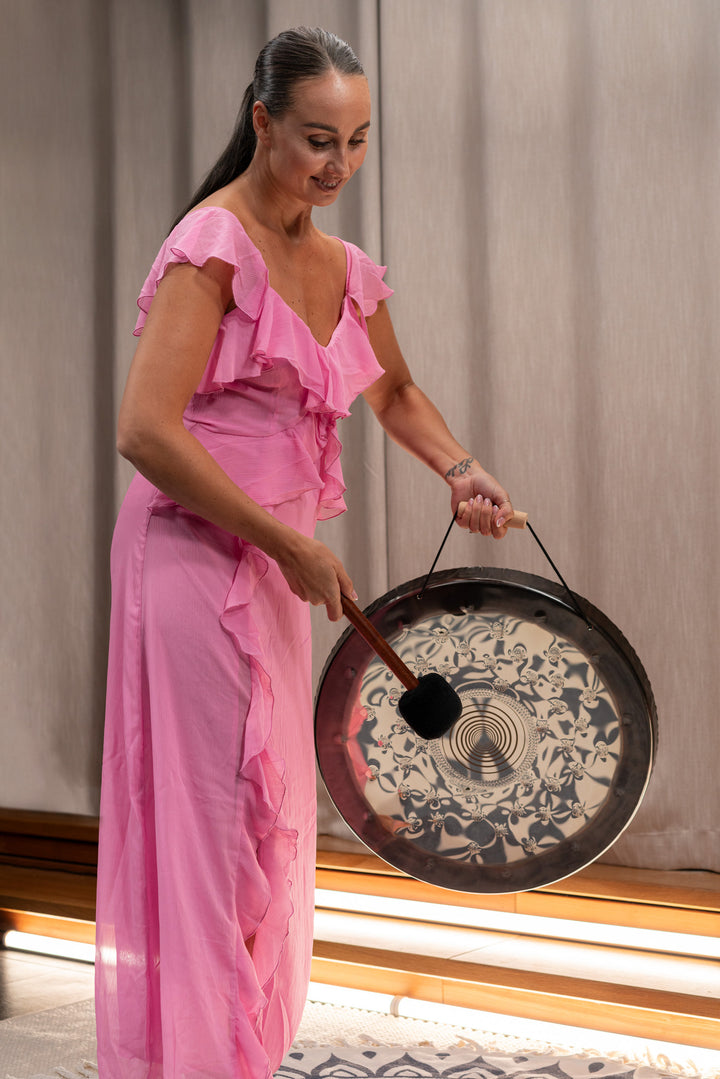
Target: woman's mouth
[327, 185]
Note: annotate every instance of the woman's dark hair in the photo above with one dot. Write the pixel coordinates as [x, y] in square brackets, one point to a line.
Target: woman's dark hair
[302, 53]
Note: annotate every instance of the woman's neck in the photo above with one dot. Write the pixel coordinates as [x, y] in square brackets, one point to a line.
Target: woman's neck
[269, 207]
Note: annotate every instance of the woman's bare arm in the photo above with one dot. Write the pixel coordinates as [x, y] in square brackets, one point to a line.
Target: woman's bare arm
[413, 421]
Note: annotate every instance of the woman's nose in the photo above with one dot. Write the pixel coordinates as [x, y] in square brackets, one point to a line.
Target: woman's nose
[338, 161]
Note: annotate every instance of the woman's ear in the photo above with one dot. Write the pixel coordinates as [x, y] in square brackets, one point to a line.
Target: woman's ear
[261, 122]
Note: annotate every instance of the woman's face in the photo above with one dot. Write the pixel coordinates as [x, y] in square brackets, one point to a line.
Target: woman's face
[317, 145]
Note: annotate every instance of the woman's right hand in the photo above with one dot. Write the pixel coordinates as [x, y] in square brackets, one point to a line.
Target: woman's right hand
[315, 574]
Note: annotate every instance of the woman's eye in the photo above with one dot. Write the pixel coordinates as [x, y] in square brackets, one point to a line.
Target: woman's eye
[324, 144]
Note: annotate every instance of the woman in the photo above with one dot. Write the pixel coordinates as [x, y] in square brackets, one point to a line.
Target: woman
[257, 333]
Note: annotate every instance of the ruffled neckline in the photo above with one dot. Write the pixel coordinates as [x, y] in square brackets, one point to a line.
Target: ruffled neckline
[262, 330]
[262, 266]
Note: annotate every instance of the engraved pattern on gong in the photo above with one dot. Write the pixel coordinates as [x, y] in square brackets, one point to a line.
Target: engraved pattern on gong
[495, 743]
[528, 764]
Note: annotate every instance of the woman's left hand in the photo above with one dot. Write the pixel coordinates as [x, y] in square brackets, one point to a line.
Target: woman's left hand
[488, 507]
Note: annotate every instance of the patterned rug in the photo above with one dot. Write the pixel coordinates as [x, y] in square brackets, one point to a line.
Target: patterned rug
[334, 1043]
[419, 1062]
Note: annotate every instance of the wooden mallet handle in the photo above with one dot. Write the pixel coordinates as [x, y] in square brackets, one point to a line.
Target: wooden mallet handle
[378, 643]
[518, 519]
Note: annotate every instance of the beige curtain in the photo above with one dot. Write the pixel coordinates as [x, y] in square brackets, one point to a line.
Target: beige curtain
[543, 186]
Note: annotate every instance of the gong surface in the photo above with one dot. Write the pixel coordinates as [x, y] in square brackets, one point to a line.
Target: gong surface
[547, 763]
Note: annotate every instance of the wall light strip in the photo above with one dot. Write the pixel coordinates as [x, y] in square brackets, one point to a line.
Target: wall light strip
[685, 944]
[54, 946]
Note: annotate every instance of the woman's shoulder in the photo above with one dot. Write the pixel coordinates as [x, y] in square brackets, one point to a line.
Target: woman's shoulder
[214, 230]
[202, 235]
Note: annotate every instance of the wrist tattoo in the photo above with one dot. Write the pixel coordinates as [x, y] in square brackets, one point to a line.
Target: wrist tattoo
[459, 468]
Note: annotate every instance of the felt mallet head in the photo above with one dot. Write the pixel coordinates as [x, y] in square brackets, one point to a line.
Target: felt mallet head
[431, 708]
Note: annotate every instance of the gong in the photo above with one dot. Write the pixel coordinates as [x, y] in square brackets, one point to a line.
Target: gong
[545, 767]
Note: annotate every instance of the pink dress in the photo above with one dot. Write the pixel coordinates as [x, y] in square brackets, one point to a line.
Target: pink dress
[207, 824]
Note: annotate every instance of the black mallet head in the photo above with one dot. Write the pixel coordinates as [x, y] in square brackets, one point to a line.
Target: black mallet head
[431, 708]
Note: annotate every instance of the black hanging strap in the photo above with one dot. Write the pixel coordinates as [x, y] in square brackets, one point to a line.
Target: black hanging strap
[533, 533]
[571, 594]
[429, 574]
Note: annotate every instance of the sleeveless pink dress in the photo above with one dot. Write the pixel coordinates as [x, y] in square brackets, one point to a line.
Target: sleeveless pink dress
[207, 823]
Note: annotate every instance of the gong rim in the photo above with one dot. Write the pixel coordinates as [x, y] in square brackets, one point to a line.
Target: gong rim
[537, 602]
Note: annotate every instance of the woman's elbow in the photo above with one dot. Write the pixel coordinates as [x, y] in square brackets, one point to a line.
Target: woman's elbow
[134, 439]
[125, 444]
[384, 393]
[149, 436]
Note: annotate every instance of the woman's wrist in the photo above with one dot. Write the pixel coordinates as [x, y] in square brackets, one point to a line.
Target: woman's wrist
[462, 469]
[279, 541]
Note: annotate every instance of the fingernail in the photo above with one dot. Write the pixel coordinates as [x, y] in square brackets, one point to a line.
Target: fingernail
[500, 522]
[354, 597]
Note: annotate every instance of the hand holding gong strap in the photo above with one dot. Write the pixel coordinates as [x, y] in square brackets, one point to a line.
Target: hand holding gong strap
[518, 519]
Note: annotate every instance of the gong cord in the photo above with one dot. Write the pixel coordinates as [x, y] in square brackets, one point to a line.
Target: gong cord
[573, 599]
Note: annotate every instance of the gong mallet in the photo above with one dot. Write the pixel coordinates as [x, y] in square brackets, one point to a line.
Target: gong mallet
[429, 704]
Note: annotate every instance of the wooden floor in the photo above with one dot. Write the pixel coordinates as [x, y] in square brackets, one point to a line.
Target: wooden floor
[33, 983]
[612, 989]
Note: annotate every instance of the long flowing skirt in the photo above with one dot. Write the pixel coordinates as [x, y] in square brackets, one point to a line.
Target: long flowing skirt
[207, 834]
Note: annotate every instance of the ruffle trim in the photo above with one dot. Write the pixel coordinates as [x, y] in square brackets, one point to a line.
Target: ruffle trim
[365, 280]
[263, 328]
[203, 235]
[331, 502]
[264, 769]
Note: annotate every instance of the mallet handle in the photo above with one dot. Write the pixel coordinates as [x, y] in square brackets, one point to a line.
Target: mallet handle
[378, 643]
[518, 519]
